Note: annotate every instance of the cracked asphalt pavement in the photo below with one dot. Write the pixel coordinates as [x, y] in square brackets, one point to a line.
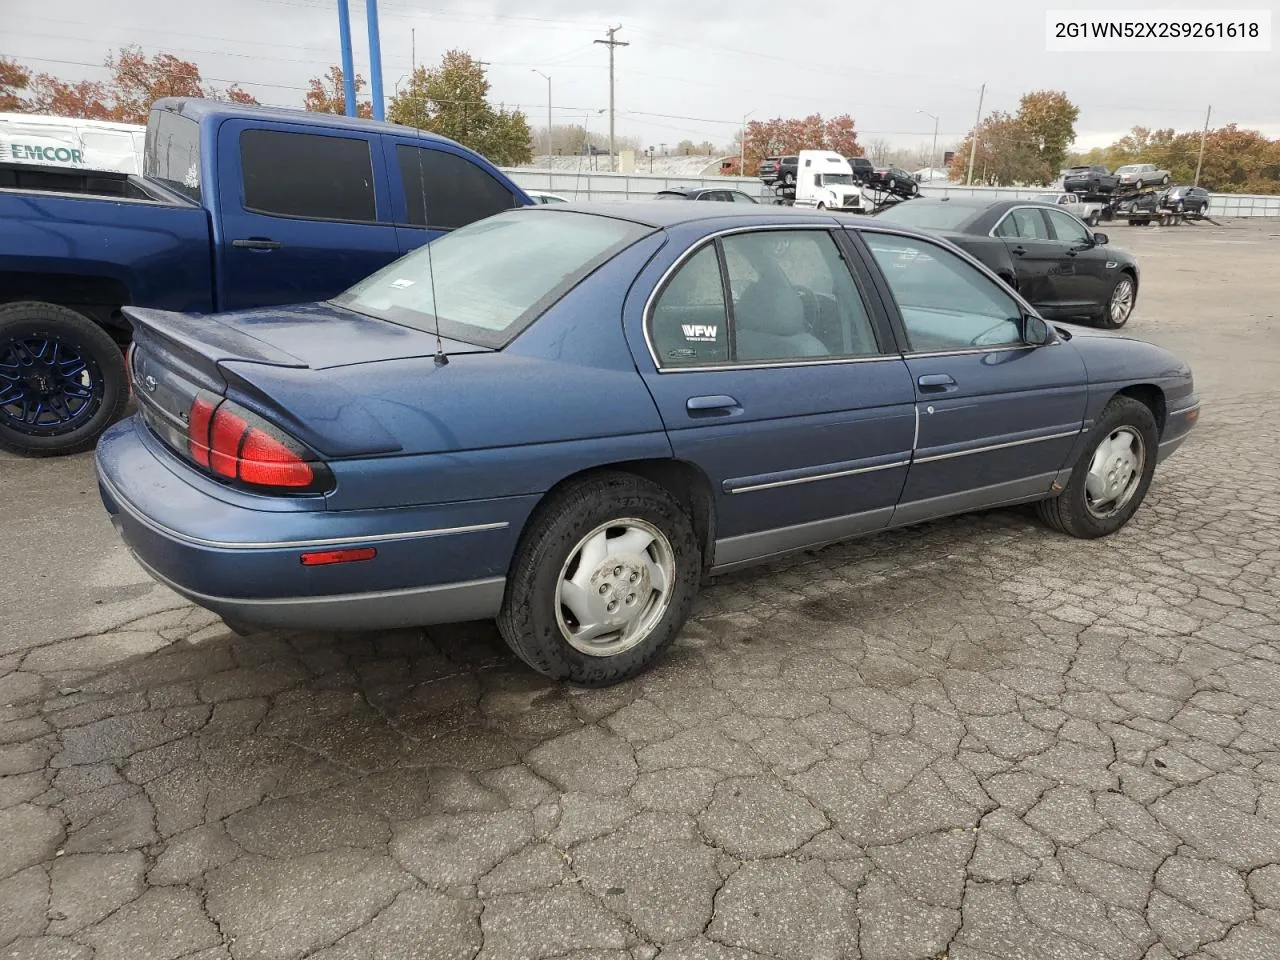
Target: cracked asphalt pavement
[975, 740]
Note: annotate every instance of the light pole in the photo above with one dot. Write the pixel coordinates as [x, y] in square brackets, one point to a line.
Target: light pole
[548, 79]
[742, 147]
[933, 151]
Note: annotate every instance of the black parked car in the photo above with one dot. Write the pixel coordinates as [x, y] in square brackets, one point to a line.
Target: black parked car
[1049, 256]
[1186, 199]
[863, 171]
[894, 180]
[706, 193]
[779, 170]
[1090, 180]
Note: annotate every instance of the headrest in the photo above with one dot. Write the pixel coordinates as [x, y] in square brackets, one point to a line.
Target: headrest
[770, 308]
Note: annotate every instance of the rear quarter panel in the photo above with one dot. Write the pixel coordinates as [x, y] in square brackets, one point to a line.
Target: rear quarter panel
[160, 253]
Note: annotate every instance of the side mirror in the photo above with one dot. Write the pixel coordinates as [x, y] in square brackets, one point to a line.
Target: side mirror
[1035, 332]
[1101, 239]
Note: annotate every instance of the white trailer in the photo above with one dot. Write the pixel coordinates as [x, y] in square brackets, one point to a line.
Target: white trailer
[64, 142]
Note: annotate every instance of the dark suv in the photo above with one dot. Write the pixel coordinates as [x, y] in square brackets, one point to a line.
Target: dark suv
[862, 169]
[894, 180]
[1089, 180]
[779, 169]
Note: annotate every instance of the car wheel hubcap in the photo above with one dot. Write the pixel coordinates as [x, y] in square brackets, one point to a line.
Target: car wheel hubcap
[1114, 472]
[1121, 301]
[46, 386]
[615, 587]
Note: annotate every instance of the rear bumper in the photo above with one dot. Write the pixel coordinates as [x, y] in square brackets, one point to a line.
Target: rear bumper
[240, 555]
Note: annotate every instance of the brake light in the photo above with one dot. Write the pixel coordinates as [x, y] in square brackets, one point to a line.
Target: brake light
[236, 445]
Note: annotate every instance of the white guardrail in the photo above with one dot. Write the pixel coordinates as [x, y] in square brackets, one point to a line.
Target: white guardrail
[594, 185]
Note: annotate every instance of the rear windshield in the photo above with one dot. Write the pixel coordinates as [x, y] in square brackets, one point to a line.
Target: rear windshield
[487, 281]
[930, 216]
[172, 152]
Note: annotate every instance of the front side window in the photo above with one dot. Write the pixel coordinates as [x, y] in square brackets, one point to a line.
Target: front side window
[486, 282]
[307, 175]
[444, 191]
[946, 303]
[1067, 228]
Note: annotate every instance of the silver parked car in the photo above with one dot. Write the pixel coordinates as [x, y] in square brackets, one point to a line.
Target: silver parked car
[1139, 175]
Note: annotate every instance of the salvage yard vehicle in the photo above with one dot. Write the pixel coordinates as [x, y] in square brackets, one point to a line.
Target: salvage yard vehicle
[826, 182]
[705, 193]
[238, 207]
[1088, 211]
[894, 180]
[564, 417]
[1187, 199]
[1090, 180]
[1135, 176]
[778, 170]
[1052, 259]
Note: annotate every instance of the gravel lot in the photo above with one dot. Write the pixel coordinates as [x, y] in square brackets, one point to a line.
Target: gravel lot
[976, 739]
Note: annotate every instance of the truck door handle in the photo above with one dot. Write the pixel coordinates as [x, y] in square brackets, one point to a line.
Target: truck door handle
[937, 382]
[257, 243]
[713, 406]
[1018, 251]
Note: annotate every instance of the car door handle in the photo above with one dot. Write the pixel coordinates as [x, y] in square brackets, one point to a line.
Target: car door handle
[257, 243]
[713, 406]
[1019, 251]
[937, 382]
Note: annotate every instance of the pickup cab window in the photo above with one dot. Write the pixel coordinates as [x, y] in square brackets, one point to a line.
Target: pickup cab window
[172, 153]
[445, 191]
[307, 175]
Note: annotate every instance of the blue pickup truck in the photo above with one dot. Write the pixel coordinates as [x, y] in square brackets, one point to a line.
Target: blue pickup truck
[237, 207]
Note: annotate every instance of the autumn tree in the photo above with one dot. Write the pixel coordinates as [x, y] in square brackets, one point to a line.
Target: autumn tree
[86, 100]
[1029, 147]
[138, 81]
[1235, 160]
[326, 94]
[14, 78]
[452, 100]
[781, 137]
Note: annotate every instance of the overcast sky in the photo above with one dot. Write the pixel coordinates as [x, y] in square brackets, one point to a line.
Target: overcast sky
[693, 68]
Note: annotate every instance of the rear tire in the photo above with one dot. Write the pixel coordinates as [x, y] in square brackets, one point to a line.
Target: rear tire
[1118, 463]
[62, 380]
[581, 535]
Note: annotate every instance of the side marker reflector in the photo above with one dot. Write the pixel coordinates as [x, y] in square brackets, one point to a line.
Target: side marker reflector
[324, 557]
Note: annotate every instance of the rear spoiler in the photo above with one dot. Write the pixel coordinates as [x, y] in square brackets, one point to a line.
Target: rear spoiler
[204, 338]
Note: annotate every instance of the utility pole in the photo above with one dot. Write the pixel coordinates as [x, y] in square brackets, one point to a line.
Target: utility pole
[742, 145]
[348, 66]
[611, 44]
[375, 61]
[933, 151]
[973, 141]
[1203, 135]
[549, 149]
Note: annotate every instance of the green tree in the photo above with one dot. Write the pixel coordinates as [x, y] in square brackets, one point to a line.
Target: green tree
[1235, 160]
[452, 100]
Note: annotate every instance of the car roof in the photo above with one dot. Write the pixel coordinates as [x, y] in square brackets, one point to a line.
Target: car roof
[656, 214]
[199, 109]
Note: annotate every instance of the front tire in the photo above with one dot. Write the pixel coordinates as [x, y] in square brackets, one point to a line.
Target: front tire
[603, 579]
[1111, 479]
[62, 380]
[1120, 304]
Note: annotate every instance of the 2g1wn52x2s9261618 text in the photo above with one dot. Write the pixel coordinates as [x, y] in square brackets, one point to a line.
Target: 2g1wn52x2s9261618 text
[1158, 31]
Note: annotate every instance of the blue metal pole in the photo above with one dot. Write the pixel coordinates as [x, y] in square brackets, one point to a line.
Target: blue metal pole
[348, 61]
[375, 60]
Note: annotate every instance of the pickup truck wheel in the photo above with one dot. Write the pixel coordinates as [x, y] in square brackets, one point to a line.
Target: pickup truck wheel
[603, 579]
[1112, 477]
[62, 380]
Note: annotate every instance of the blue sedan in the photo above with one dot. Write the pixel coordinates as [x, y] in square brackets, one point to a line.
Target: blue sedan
[564, 418]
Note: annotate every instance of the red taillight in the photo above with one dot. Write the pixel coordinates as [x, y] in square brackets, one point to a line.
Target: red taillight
[224, 448]
[324, 557]
[236, 445]
[198, 430]
[265, 460]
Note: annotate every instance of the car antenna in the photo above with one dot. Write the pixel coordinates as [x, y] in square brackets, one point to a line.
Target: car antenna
[441, 357]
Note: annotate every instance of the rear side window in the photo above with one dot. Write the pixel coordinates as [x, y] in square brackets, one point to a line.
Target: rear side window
[445, 191]
[307, 175]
